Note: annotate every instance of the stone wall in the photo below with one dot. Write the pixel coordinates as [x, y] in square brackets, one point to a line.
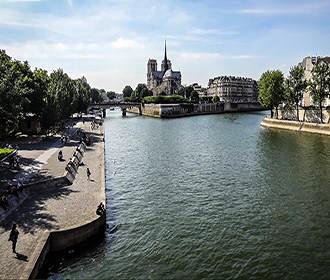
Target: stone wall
[296, 126]
[182, 110]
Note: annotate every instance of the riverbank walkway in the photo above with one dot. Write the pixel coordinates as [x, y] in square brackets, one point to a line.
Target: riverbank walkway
[57, 209]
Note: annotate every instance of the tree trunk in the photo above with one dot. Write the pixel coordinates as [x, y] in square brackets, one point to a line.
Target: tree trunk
[321, 112]
[304, 114]
[271, 113]
[297, 107]
[276, 112]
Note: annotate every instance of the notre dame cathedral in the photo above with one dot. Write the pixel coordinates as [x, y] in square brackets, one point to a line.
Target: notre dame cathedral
[164, 81]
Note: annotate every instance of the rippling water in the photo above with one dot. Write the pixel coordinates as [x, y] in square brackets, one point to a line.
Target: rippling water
[211, 197]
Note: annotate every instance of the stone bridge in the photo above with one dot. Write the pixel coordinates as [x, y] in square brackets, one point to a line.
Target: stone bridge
[107, 105]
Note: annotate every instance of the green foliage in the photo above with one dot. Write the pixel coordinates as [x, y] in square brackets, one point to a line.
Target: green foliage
[111, 95]
[194, 96]
[295, 86]
[271, 89]
[188, 91]
[127, 91]
[172, 99]
[5, 152]
[215, 99]
[319, 85]
[52, 98]
[96, 95]
[140, 92]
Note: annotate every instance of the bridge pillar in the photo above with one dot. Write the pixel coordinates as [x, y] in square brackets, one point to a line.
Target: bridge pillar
[123, 112]
[104, 113]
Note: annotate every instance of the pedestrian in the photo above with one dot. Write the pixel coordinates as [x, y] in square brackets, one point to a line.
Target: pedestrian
[13, 237]
[88, 173]
[60, 156]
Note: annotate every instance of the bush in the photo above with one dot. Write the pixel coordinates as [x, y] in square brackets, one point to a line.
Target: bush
[131, 99]
[5, 152]
[172, 99]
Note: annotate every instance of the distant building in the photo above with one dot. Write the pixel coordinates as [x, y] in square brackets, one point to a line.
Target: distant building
[308, 65]
[200, 90]
[233, 89]
[166, 80]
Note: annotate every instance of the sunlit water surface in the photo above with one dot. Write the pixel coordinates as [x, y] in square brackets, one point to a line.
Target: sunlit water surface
[211, 197]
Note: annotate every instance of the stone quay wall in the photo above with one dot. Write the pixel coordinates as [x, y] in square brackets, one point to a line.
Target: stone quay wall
[296, 126]
[60, 240]
[309, 114]
[56, 241]
[183, 110]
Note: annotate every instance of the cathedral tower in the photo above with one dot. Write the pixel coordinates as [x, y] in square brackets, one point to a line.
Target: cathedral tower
[166, 64]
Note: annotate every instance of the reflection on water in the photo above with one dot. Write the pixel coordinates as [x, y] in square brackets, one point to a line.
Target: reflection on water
[214, 197]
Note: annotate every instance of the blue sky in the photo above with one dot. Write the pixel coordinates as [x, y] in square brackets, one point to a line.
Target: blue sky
[109, 42]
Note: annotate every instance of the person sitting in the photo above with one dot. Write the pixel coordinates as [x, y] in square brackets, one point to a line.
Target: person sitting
[100, 209]
[60, 155]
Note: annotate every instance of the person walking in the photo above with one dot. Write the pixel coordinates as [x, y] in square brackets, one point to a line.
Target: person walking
[13, 237]
[88, 173]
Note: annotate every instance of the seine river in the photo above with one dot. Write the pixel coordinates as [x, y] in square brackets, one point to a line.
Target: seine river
[211, 197]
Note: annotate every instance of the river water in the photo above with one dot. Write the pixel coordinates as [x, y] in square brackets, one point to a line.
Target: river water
[211, 197]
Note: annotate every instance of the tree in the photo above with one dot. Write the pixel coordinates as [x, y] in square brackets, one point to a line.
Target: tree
[319, 85]
[295, 86]
[96, 95]
[40, 85]
[62, 97]
[182, 91]
[215, 99]
[194, 96]
[82, 96]
[271, 90]
[140, 92]
[111, 95]
[127, 91]
[188, 91]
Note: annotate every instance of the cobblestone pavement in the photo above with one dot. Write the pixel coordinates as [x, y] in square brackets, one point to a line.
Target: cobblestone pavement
[62, 208]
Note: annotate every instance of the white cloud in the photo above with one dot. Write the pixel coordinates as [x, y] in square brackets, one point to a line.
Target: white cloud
[122, 43]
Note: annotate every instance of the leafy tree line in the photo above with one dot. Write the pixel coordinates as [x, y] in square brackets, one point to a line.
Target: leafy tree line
[141, 93]
[275, 89]
[51, 97]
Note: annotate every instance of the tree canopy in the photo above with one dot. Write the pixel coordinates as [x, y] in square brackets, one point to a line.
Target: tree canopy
[127, 91]
[295, 86]
[319, 85]
[271, 89]
[51, 97]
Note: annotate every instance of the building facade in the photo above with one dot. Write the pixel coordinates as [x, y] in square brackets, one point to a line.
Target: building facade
[232, 89]
[164, 81]
[308, 65]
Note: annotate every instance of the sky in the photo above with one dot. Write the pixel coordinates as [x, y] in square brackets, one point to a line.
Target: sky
[109, 42]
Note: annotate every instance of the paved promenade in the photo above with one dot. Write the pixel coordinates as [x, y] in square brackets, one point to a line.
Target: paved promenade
[61, 208]
[38, 160]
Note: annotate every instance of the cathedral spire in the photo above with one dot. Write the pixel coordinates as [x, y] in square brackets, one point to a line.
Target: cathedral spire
[165, 59]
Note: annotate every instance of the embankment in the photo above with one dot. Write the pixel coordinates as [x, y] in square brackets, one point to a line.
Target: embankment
[185, 110]
[296, 126]
[61, 211]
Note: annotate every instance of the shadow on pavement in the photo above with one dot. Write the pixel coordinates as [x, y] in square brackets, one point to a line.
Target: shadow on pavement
[32, 216]
[21, 257]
